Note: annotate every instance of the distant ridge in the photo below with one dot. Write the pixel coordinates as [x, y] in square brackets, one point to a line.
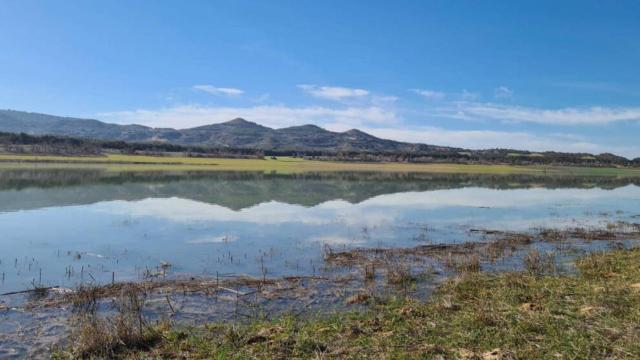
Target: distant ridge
[242, 134]
[236, 133]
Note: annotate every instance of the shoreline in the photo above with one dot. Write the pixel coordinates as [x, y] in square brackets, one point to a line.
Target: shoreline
[592, 313]
[291, 165]
[383, 295]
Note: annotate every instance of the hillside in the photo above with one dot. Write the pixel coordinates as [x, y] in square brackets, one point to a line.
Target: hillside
[242, 138]
[237, 133]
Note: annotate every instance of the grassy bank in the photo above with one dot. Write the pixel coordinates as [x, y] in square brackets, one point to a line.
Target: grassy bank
[288, 165]
[594, 313]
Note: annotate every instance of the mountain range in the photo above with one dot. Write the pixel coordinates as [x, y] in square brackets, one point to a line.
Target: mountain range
[242, 135]
[236, 133]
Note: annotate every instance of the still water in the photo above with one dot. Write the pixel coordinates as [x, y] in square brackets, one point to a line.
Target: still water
[66, 227]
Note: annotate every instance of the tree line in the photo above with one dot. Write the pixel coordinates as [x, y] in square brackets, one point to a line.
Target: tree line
[60, 145]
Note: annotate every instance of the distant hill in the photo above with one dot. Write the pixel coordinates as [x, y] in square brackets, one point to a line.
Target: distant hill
[237, 133]
[239, 137]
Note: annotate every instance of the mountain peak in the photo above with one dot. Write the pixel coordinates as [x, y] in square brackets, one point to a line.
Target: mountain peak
[235, 123]
[242, 123]
[235, 133]
[304, 128]
[310, 126]
[356, 132]
[238, 121]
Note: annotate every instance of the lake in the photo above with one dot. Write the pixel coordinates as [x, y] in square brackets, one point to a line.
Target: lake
[62, 227]
[298, 243]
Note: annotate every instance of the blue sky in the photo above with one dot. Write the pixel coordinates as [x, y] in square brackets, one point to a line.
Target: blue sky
[539, 75]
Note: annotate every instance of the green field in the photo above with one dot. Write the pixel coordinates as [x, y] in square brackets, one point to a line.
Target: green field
[285, 165]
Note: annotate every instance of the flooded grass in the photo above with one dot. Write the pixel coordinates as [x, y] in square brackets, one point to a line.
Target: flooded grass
[540, 263]
[464, 263]
[356, 268]
[105, 336]
[121, 318]
[477, 315]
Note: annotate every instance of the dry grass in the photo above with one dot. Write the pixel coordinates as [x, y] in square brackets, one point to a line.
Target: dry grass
[540, 263]
[94, 336]
[594, 314]
[399, 275]
[463, 263]
[369, 271]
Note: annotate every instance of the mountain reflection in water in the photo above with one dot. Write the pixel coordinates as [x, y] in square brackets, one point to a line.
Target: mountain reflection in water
[68, 226]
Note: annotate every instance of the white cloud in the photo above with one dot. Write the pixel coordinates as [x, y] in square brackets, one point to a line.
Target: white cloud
[273, 115]
[218, 90]
[335, 93]
[383, 99]
[469, 96]
[502, 92]
[488, 139]
[379, 121]
[565, 116]
[429, 94]
[463, 95]
[262, 98]
[379, 116]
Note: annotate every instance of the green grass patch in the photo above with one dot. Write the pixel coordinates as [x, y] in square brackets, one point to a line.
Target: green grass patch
[285, 165]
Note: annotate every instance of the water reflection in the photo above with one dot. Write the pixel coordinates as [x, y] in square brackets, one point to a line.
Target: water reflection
[64, 227]
[23, 189]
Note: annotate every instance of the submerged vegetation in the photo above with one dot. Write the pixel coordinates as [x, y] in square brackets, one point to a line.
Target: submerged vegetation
[539, 311]
[477, 315]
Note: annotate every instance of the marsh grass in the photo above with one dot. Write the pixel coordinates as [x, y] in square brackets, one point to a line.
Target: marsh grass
[492, 247]
[463, 262]
[538, 263]
[536, 312]
[592, 314]
[95, 336]
[85, 299]
[369, 271]
[400, 275]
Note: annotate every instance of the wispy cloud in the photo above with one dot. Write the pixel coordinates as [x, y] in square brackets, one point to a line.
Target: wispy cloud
[385, 122]
[597, 87]
[466, 106]
[275, 116]
[382, 117]
[218, 90]
[383, 99]
[335, 93]
[502, 92]
[463, 95]
[488, 139]
[564, 116]
[469, 95]
[430, 94]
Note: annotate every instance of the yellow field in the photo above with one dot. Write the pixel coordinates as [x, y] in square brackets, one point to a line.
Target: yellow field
[283, 165]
